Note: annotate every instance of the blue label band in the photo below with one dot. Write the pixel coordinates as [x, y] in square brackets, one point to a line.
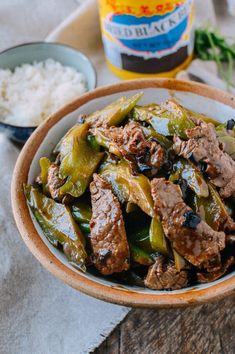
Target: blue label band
[147, 37]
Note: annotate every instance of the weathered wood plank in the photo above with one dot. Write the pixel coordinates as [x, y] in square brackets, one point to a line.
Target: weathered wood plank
[204, 329]
[110, 345]
[200, 330]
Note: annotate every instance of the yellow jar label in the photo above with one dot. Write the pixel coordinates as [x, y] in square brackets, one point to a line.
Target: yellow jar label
[139, 8]
[147, 36]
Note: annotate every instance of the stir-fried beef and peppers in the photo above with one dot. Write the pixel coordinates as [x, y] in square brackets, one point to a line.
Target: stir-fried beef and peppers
[144, 194]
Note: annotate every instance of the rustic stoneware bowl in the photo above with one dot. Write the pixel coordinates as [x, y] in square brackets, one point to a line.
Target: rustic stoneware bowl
[217, 104]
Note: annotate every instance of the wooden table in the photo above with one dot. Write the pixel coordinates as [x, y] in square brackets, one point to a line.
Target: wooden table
[207, 329]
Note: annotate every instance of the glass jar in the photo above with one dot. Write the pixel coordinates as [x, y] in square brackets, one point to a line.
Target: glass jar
[147, 38]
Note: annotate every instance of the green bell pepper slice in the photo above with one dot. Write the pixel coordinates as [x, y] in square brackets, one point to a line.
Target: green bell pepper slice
[202, 117]
[58, 226]
[78, 161]
[212, 209]
[93, 142]
[170, 119]
[81, 212]
[105, 142]
[180, 262]
[129, 188]
[44, 163]
[114, 113]
[139, 236]
[228, 144]
[141, 114]
[138, 255]
[149, 132]
[227, 139]
[157, 238]
[186, 170]
[149, 237]
[151, 106]
[85, 227]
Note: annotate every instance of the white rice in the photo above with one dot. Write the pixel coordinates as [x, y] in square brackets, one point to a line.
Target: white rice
[31, 93]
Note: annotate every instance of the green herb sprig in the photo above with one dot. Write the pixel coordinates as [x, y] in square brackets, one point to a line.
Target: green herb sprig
[210, 45]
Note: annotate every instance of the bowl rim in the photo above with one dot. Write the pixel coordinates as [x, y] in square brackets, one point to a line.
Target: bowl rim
[33, 241]
[8, 125]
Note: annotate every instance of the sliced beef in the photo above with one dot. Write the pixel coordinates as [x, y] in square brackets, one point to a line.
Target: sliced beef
[54, 182]
[144, 155]
[204, 149]
[163, 275]
[204, 277]
[133, 142]
[108, 235]
[191, 237]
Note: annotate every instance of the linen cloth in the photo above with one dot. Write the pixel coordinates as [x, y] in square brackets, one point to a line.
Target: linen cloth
[38, 313]
[85, 20]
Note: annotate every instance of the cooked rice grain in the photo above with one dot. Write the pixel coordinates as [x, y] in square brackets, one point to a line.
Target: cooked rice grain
[31, 93]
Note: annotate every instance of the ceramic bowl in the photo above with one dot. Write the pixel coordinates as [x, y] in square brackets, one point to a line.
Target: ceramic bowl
[40, 51]
[198, 97]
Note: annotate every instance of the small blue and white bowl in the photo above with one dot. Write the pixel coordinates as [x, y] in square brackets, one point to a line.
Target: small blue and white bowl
[40, 51]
